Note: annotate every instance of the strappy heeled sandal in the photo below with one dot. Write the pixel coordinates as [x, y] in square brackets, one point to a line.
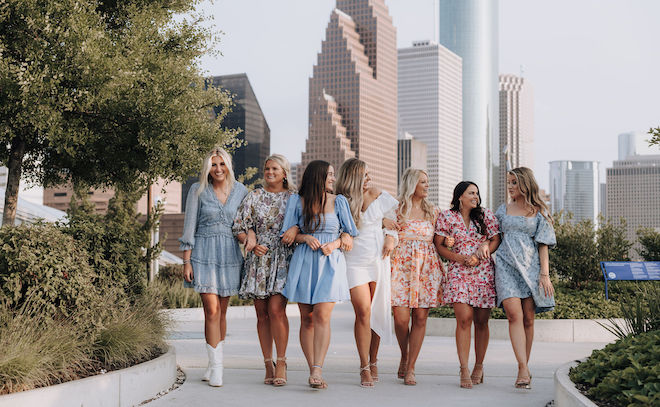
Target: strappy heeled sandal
[401, 373]
[477, 375]
[466, 381]
[280, 381]
[269, 380]
[317, 382]
[409, 380]
[366, 383]
[374, 371]
[523, 382]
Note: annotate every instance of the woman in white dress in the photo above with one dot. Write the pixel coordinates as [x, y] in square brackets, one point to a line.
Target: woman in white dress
[368, 263]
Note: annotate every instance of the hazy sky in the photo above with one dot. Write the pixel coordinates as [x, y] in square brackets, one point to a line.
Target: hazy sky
[593, 64]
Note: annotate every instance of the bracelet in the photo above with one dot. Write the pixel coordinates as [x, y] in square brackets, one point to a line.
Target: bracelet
[544, 274]
[186, 261]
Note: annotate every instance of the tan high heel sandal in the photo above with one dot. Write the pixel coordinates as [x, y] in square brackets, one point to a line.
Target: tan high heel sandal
[374, 371]
[477, 375]
[466, 381]
[280, 381]
[269, 380]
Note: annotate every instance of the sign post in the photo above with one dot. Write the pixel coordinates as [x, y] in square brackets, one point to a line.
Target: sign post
[629, 270]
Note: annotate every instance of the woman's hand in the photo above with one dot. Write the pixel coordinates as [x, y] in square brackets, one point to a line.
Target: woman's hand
[312, 242]
[388, 246]
[483, 252]
[449, 241]
[260, 250]
[466, 260]
[346, 242]
[289, 236]
[545, 285]
[188, 272]
[328, 248]
[390, 224]
[250, 241]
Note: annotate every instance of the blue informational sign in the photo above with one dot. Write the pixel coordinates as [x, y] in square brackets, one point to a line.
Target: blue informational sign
[629, 270]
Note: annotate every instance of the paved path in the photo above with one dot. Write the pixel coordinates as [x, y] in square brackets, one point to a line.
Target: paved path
[437, 371]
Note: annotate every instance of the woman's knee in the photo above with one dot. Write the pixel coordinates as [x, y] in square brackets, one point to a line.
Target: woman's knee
[528, 320]
[363, 314]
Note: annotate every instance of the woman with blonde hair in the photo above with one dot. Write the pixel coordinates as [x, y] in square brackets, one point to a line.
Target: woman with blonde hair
[522, 272]
[257, 225]
[368, 263]
[416, 269]
[212, 259]
[470, 285]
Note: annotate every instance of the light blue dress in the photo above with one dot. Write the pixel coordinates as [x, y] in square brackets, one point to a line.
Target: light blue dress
[517, 264]
[216, 258]
[314, 278]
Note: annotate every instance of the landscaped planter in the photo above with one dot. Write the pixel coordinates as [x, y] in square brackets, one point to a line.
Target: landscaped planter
[566, 394]
[125, 387]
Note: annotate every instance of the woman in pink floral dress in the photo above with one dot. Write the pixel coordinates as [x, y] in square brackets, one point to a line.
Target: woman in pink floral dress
[416, 270]
[470, 285]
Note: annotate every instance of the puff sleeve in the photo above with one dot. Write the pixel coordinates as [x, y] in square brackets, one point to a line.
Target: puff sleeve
[442, 225]
[244, 220]
[545, 233]
[492, 225]
[292, 213]
[190, 220]
[343, 211]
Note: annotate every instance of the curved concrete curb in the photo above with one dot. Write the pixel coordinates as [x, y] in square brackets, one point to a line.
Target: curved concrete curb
[123, 388]
[566, 395]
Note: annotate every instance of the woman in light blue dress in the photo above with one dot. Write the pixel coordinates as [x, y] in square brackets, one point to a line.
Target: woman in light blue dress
[317, 271]
[212, 260]
[522, 280]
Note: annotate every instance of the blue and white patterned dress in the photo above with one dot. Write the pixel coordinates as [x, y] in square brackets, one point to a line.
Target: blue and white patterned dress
[313, 277]
[216, 258]
[517, 264]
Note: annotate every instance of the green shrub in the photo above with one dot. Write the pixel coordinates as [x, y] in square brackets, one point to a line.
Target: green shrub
[611, 241]
[42, 263]
[574, 257]
[624, 373]
[640, 311]
[649, 239]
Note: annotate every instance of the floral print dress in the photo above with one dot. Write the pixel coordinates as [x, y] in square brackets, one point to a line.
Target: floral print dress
[263, 212]
[416, 268]
[474, 286]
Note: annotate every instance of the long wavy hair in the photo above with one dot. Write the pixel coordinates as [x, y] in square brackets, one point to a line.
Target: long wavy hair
[409, 182]
[530, 191]
[207, 163]
[349, 183]
[286, 167]
[476, 214]
[312, 193]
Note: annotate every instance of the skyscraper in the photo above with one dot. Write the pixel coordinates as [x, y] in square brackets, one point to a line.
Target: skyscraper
[634, 143]
[469, 28]
[430, 108]
[516, 130]
[246, 115]
[575, 187]
[352, 92]
[411, 153]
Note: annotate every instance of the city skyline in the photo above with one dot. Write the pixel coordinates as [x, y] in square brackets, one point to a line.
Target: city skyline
[608, 59]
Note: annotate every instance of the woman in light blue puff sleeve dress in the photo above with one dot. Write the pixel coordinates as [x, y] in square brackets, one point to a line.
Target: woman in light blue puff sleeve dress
[212, 259]
[317, 271]
[522, 280]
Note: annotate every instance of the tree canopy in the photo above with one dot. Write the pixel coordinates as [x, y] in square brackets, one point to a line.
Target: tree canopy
[104, 93]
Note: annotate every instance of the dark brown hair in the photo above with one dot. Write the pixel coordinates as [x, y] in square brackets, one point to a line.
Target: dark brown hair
[312, 193]
[476, 214]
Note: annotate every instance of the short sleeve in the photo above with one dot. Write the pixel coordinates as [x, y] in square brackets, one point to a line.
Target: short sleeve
[243, 220]
[343, 211]
[292, 213]
[545, 233]
[492, 225]
[190, 219]
[442, 226]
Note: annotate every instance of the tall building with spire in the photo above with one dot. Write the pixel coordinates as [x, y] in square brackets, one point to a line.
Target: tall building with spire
[353, 92]
[516, 130]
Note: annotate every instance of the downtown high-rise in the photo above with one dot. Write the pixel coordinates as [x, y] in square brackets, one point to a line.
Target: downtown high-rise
[469, 28]
[575, 188]
[430, 108]
[353, 92]
[516, 130]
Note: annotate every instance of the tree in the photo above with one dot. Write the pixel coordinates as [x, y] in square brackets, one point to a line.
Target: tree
[655, 136]
[649, 239]
[103, 93]
[611, 241]
[574, 257]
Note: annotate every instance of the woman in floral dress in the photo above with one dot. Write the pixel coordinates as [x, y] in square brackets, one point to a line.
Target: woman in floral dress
[470, 285]
[416, 269]
[257, 225]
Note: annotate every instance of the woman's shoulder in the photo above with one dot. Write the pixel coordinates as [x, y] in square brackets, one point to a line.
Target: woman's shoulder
[501, 210]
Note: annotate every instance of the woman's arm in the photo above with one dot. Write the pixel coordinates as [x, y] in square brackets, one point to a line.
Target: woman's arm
[488, 247]
[449, 255]
[544, 275]
[187, 267]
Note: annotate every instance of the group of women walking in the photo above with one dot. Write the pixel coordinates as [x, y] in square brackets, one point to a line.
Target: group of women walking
[339, 238]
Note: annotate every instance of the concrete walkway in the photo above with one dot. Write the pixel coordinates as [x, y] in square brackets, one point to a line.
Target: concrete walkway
[436, 371]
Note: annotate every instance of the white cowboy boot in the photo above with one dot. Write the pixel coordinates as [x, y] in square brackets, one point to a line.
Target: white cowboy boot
[215, 359]
[207, 373]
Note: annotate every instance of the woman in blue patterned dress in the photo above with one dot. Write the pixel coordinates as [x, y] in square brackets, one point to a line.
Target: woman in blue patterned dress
[522, 279]
[212, 260]
[317, 272]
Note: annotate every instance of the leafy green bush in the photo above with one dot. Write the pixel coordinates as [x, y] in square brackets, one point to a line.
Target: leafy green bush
[626, 373]
[574, 257]
[640, 312]
[611, 242]
[649, 239]
[42, 264]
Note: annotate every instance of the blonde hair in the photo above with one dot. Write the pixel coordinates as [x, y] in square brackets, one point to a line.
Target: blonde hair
[349, 183]
[284, 163]
[205, 176]
[530, 191]
[409, 182]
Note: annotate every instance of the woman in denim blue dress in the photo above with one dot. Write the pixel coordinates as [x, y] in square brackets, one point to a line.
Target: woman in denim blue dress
[212, 259]
[522, 280]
